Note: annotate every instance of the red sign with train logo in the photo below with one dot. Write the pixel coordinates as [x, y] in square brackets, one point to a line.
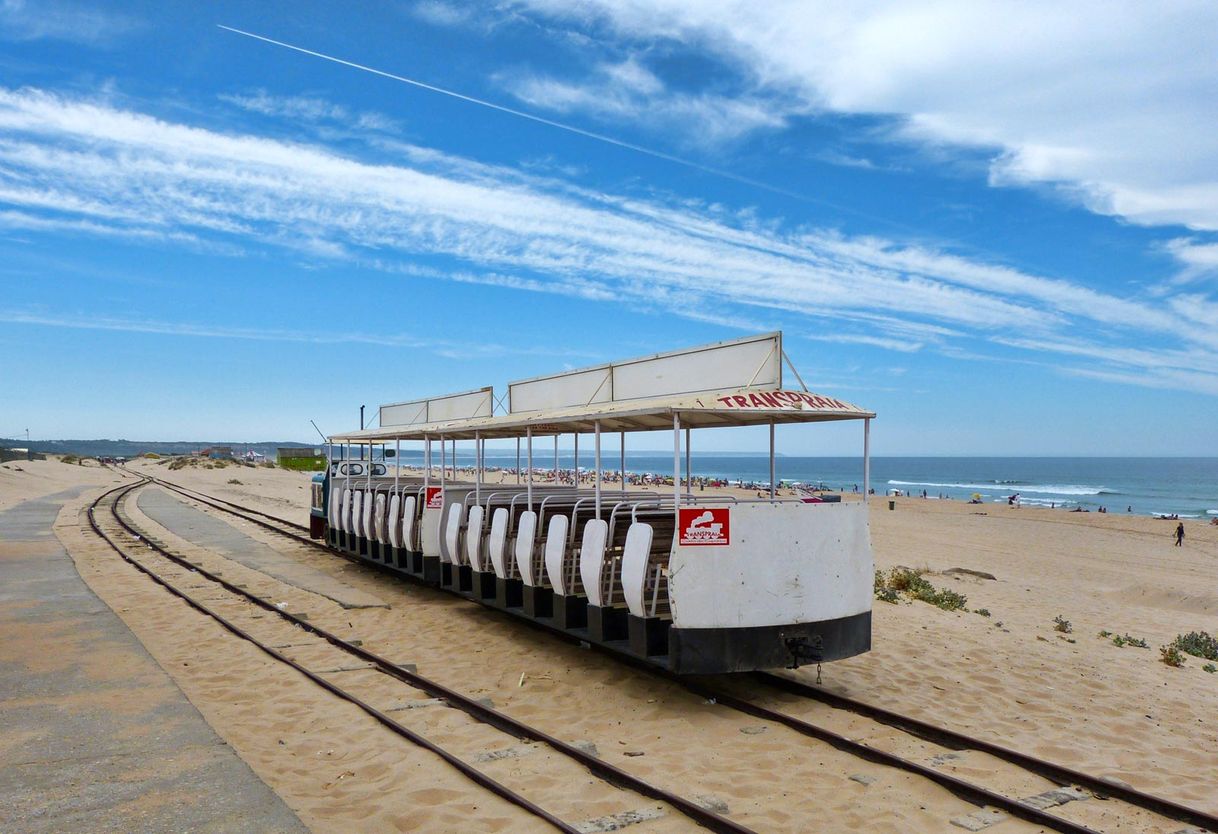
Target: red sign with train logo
[698, 526]
[435, 498]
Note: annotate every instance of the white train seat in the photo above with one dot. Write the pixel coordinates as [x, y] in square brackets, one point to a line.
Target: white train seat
[378, 518]
[394, 521]
[452, 533]
[526, 545]
[475, 544]
[497, 542]
[555, 552]
[410, 523]
[592, 559]
[365, 528]
[336, 506]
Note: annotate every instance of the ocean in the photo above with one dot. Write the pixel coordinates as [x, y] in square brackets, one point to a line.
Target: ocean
[1187, 487]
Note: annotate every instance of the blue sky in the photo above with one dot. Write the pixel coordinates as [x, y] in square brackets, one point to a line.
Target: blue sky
[993, 224]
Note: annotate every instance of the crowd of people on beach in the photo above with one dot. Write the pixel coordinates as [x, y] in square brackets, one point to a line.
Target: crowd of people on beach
[585, 477]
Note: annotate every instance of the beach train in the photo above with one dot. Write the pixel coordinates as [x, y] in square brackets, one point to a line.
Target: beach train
[692, 583]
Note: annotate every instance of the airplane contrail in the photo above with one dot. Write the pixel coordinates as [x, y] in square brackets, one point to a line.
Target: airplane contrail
[599, 137]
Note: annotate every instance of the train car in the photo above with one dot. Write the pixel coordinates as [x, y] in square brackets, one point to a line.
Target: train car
[693, 582]
[321, 483]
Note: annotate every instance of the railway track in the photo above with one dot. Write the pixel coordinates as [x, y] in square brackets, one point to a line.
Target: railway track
[1076, 784]
[127, 540]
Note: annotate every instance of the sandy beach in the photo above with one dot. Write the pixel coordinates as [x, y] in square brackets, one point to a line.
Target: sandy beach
[1012, 677]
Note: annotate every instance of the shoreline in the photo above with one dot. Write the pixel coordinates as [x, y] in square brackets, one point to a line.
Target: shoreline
[790, 488]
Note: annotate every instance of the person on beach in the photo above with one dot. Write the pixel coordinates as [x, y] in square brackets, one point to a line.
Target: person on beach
[1180, 534]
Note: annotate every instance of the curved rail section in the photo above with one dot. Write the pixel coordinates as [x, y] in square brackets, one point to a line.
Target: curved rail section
[1057, 773]
[479, 711]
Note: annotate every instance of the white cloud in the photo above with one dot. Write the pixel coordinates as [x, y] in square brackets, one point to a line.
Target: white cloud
[23, 21]
[79, 167]
[846, 160]
[439, 347]
[1114, 101]
[627, 90]
[1200, 260]
[308, 109]
[440, 14]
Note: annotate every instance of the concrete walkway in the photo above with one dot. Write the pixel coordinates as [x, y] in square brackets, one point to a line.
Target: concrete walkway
[94, 736]
[219, 536]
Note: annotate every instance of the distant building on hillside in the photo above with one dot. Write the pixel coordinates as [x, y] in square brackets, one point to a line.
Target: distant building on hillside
[20, 454]
[306, 458]
[285, 452]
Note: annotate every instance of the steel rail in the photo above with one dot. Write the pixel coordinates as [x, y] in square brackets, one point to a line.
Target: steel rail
[217, 503]
[479, 711]
[965, 790]
[1052, 771]
[953, 739]
[472, 773]
[241, 507]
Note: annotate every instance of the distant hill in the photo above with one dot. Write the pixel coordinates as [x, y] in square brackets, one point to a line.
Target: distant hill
[134, 448]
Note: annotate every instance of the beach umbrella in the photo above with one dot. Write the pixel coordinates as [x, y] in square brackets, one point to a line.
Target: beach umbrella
[976, 496]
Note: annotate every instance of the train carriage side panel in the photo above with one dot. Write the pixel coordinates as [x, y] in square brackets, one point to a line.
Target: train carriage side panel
[792, 583]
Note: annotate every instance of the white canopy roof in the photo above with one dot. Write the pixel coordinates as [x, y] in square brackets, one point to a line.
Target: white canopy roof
[733, 407]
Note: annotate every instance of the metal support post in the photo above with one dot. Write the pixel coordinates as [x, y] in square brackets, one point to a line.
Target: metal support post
[676, 469]
[773, 485]
[866, 458]
[623, 453]
[597, 425]
[689, 470]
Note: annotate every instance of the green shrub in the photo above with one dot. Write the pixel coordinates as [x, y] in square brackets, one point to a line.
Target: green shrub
[909, 581]
[234, 481]
[1122, 640]
[888, 595]
[1198, 644]
[1171, 656]
[948, 600]
[912, 582]
[1209, 667]
[1061, 624]
[883, 592]
[985, 612]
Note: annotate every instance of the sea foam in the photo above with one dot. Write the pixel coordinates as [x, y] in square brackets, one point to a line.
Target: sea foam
[1006, 486]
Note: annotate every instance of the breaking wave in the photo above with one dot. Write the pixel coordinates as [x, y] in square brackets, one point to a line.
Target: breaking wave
[1008, 486]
